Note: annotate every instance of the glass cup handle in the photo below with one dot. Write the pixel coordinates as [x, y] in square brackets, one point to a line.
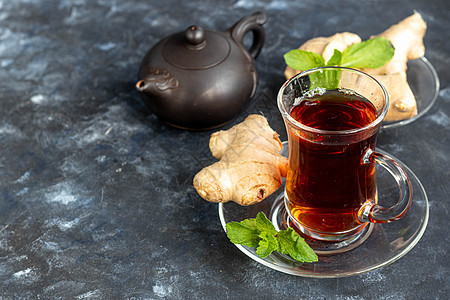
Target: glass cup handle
[375, 213]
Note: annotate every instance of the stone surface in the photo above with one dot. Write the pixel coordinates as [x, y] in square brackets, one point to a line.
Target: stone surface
[96, 196]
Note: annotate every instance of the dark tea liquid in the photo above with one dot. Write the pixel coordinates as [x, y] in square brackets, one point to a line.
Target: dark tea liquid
[327, 183]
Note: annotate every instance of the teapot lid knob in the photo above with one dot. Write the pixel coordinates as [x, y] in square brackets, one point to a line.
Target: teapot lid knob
[195, 36]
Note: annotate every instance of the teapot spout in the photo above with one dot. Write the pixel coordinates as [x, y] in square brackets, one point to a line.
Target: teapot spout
[156, 81]
[144, 86]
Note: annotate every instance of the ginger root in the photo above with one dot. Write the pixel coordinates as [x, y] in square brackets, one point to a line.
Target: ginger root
[407, 39]
[250, 166]
[402, 104]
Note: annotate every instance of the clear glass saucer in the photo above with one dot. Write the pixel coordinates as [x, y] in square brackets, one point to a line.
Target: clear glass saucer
[383, 245]
[424, 83]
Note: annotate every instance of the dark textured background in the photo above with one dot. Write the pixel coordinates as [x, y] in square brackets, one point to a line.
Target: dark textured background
[96, 200]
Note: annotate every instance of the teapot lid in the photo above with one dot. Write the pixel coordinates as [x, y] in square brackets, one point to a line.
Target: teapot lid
[196, 49]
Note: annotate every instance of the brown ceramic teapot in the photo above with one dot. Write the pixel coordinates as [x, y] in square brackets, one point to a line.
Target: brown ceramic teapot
[200, 79]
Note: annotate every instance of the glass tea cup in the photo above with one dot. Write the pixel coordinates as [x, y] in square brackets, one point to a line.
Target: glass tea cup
[332, 116]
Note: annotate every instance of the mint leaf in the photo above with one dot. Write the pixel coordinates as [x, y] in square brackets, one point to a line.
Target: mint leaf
[264, 224]
[243, 233]
[303, 60]
[373, 53]
[336, 59]
[261, 233]
[292, 244]
[267, 244]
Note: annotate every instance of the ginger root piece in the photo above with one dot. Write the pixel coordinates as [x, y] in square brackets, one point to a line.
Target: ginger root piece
[325, 46]
[402, 104]
[407, 39]
[250, 166]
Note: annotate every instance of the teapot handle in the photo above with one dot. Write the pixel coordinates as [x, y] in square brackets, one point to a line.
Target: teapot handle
[254, 24]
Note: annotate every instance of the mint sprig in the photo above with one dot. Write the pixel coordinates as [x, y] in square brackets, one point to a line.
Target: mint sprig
[260, 232]
[373, 53]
